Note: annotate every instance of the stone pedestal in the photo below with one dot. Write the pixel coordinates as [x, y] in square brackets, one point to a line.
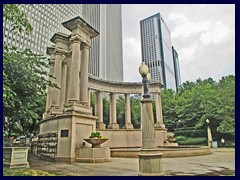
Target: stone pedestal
[150, 158]
[15, 157]
[93, 155]
[150, 163]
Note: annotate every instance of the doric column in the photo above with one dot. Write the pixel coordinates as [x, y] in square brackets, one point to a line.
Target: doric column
[84, 75]
[57, 79]
[159, 116]
[99, 110]
[49, 92]
[64, 81]
[128, 123]
[113, 115]
[75, 69]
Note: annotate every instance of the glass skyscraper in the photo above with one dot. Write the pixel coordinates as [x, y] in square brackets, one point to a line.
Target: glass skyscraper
[106, 52]
[176, 67]
[157, 50]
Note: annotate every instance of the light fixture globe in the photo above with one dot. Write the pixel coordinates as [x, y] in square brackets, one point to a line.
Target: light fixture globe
[148, 76]
[143, 69]
[207, 121]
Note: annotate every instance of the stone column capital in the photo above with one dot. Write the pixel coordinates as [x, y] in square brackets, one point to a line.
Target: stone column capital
[76, 38]
[85, 45]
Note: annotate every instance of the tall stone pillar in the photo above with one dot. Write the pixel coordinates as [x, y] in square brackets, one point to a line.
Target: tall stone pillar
[57, 75]
[99, 110]
[49, 92]
[150, 158]
[84, 75]
[75, 69]
[159, 116]
[64, 81]
[113, 112]
[128, 123]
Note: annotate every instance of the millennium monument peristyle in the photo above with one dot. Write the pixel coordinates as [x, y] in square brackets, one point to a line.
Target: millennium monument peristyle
[69, 117]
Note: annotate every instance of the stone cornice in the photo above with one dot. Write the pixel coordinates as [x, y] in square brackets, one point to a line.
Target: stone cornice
[78, 22]
[79, 39]
[121, 87]
[60, 37]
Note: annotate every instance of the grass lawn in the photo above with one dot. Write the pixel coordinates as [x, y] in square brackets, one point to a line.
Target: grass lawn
[27, 172]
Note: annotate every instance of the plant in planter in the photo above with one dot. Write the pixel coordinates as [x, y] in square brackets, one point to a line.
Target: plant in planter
[170, 137]
[96, 139]
[97, 135]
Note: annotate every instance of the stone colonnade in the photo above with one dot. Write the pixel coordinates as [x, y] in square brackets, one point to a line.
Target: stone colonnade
[69, 59]
[100, 86]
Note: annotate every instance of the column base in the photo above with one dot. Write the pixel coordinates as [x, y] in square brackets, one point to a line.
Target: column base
[159, 125]
[56, 110]
[150, 163]
[100, 125]
[76, 107]
[129, 126]
[113, 126]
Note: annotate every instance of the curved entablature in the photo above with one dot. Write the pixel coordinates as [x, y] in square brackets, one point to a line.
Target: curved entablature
[98, 84]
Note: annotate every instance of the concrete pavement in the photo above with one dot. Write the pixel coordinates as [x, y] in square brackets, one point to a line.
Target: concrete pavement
[220, 163]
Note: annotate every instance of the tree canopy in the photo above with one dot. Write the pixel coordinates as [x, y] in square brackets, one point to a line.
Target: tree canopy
[25, 80]
[194, 102]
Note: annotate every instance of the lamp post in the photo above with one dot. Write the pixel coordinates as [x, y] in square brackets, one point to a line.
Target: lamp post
[150, 158]
[223, 142]
[209, 134]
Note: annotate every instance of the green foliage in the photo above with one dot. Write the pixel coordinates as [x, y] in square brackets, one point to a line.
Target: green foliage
[96, 134]
[191, 141]
[25, 81]
[191, 132]
[106, 106]
[194, 102]
[17, 18]
[135, 103]
[92, 102]
[27, 172]
[121, 111]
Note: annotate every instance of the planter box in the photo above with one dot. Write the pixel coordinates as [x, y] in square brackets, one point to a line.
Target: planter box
[15, 157]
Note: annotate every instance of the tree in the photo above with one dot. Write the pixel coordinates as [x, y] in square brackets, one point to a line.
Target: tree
[106, 106]
[194, 102]
[25, 80]
[121, 111]
[135, 103]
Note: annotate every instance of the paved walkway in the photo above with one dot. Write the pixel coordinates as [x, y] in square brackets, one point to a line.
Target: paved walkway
[220, 163]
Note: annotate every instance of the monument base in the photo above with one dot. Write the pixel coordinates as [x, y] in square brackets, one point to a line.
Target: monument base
[93, 155]
[150, 163]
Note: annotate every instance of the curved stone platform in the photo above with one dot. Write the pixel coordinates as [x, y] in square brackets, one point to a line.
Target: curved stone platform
[180, 151]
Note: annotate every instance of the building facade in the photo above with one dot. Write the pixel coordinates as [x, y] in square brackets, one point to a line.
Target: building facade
[106, 53]
[45, 19]
[176, 67]
[157, 50]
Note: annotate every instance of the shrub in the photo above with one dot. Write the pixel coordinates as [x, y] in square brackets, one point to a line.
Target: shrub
[187, 132]
[181, 138]
[192, 141]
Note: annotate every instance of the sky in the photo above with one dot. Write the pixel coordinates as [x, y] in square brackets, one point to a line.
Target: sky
[202, 34]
